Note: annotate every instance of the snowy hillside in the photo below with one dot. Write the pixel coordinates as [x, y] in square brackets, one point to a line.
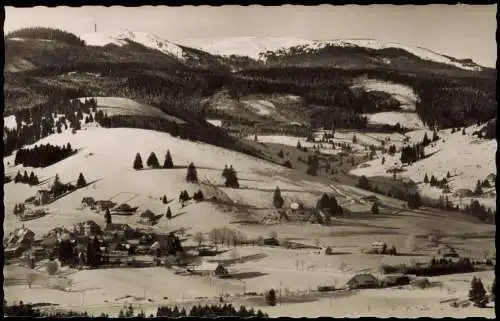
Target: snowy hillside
[467, 158]
[256, 47]
[143, 38]
[124, 106]
[105, 157]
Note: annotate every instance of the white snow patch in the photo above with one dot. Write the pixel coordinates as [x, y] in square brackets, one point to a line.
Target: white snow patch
[405, 119]
[402, 93]
[215, 122]
[262, 107]
[10, 122]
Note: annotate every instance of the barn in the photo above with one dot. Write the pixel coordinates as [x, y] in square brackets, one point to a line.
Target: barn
[362, 281]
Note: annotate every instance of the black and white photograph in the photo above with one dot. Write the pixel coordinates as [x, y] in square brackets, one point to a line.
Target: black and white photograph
[250, 161]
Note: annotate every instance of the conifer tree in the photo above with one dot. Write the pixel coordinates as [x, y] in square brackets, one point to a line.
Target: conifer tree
[435, 136]
[298, 145]
[426, 179]
[81, 182]
[426, 141]
[232, 178]
[477, 293]
[169, 213]
[152, 161]
[478, 190]
[278, 201]
[31, 180]
[448, 175]
[192, 175]
[168, 163]
[138, 162]
[271, 297]
[18, 178]
[280, 154]
[375, 209]
[164, 199]
[25, 177]
[225, 172]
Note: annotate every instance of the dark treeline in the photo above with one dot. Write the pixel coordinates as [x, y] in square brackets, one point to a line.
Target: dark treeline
[42, 155]
[436, 267]
[445, 101]
[47, 34]
[38, 122]
[208, 311]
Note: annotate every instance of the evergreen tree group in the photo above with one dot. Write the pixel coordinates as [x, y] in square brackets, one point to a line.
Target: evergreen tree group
[42, 155]
[312, 165]
[209, 311]
[198, 196]
[31, 180]
[414, 201]
[477, 292]
[184, 197]
[364, 183]
[231, 177]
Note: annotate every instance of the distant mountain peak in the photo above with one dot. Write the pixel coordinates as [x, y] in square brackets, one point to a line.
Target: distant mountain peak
[146, 39]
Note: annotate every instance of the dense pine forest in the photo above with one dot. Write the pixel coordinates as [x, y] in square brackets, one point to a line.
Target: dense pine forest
[47, 34]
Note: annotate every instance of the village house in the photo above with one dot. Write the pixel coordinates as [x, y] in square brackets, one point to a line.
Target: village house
[211, 268]
[124, 209]
[362, 281]
[42, 197]
[19, 241]
[88, 202]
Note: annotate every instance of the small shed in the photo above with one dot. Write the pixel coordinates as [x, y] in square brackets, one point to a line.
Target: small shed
[88, 202]
[271, 241]
[326, 250]
[211, 268]
[463, 192]
[125, 208]
[363, 281]
[42, 197]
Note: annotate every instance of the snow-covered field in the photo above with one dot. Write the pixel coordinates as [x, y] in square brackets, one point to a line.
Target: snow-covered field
[105, 157]
[408, 120]
[126, 106]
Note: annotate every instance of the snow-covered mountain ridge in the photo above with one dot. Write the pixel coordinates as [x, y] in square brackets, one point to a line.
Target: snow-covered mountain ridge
[258, 48]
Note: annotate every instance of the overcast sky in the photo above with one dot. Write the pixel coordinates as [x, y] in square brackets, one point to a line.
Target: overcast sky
[461, 31]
